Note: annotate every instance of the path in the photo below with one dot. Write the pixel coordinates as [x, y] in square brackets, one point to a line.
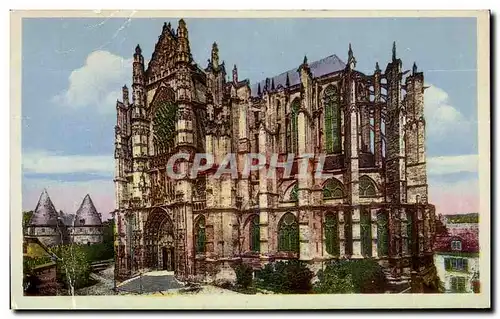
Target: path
[151, 282]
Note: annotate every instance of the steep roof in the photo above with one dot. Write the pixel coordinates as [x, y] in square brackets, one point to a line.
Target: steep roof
[327, 65]
[87, 214]
[468, 238]
[45, 213]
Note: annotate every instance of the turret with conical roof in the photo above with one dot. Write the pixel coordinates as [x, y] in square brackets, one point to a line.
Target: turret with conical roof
[87, 214]
[87, 225]
[45, 222]
[45, 213]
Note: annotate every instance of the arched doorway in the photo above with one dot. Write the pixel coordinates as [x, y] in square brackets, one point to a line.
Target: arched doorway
[159, 240]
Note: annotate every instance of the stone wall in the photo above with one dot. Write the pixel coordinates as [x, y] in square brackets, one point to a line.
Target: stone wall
[86, 235]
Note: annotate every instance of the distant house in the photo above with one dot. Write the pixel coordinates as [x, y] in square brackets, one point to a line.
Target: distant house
[459, 222]
[457, 261]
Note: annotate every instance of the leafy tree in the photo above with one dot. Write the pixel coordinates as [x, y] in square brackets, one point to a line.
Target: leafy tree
[244, 275]
[26, 218]
[73, 266]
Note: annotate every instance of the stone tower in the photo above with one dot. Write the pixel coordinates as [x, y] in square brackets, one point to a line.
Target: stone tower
[46, 224]
[87, 225]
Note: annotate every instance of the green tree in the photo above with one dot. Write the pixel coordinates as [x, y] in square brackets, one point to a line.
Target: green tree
[73, 266]
[26, 218]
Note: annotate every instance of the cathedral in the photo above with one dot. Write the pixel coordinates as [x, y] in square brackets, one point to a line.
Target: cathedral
[370, 129]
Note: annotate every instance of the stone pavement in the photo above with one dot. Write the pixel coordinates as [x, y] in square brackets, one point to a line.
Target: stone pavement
[151, 282]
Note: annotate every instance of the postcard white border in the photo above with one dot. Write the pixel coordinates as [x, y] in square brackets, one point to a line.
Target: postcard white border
[395, 301]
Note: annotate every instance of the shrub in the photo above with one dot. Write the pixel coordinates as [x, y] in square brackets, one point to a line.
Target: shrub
[351, 276]
[286, 277]
[244, 275]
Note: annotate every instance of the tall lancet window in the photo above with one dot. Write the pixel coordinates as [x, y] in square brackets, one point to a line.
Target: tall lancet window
[200, 235]
[288, 234]
[255, 233]
[332, 121]
[292, 145]
[331, 226]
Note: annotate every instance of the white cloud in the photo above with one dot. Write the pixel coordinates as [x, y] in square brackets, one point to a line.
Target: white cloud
[98, 83]
[442, 118]
[67, 196]
[443, 165]
[43, 162]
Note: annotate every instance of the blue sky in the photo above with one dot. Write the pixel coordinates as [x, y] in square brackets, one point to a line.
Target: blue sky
[73, 69]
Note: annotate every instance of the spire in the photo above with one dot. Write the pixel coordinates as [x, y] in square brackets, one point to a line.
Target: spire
[351, 60]
[183, 50]
[259, 92]
[138, 50]
[394, 51]
[414, 68]
[377, 68]
[165, 27]
[272, 84]
[235, 74]
[125, 95]
[287, 83]
[305, 60]
[267, 85]
[215, 55]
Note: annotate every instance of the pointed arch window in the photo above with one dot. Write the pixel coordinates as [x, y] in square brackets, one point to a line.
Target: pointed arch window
[331, 226]
[333, 189]
[288, 234]
[255, 234]
[332, 121]
[367, 187]
[164, 126]
[292, 127]
[200, 234]
[294, 193]
[382, 233]
[366, 232]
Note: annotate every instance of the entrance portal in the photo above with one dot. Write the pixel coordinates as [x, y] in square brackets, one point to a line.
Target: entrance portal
[159, 241]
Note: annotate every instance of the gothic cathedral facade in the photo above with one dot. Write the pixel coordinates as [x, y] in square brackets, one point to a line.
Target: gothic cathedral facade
[370, 127]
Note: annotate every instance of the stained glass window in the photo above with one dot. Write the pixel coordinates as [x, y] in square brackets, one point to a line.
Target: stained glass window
[164, 126]
[332, 121]
[332, 234]
[200, 235]
[367, 187]
[333, 189]
[255, 234]
[294, 193]
[288, 234]
[366, 232]
[382, 234]
[293, 130]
